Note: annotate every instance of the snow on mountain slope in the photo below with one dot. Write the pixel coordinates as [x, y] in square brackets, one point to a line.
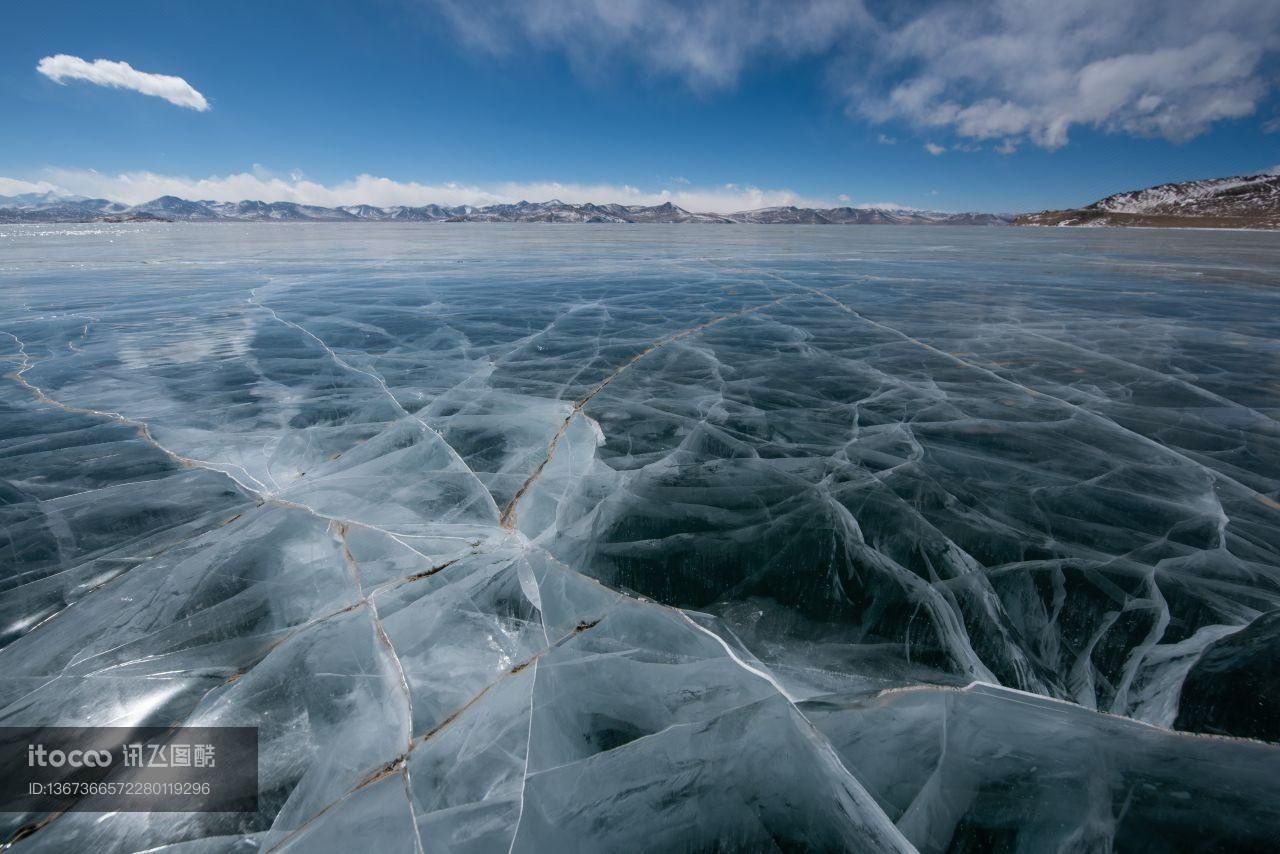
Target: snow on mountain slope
[48, 208]
[1245, 201]
[51, 207]
[1219, 196]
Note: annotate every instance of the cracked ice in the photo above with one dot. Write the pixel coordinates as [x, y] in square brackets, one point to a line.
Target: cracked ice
[540, 539]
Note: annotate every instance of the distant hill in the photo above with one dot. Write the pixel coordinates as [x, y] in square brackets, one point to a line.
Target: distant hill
[1246, 201]
[51, 208]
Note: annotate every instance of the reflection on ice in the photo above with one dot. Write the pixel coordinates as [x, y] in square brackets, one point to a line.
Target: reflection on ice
[537, 539]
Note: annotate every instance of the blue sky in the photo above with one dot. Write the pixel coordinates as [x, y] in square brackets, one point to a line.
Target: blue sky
[721, 105]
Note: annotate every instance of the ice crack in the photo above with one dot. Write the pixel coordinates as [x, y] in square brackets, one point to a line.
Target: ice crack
[508, 516]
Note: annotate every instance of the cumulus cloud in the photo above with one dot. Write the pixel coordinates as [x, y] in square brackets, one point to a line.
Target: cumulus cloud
[261, 184]
[1009, 70]
[934, 149]
[121, 75]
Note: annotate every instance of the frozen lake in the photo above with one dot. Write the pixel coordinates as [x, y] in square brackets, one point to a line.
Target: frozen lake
[632, 537]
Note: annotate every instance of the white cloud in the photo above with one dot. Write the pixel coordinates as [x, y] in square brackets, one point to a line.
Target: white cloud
[1011, 70]
[707, 44]
[934, 149]
[121, 75]
[137, 187]
[14, 187]
[1032, 70]
[885, 139]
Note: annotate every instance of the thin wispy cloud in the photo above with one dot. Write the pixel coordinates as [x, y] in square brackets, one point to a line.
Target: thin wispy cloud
[935, 149]
[121, 75]
[1014, 72]
[708, 44]
[260, 184]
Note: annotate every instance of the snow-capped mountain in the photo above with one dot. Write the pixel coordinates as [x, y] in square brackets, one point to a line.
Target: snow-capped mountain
[558, 211]
[174, 208]
[1216, 197]
[866, 216]
[782, 215]
[1246, 201]
[51, 208]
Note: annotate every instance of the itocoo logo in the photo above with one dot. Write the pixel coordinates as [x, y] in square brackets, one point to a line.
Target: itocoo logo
[40, 757]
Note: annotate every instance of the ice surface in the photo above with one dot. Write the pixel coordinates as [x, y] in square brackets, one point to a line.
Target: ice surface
[657, 538]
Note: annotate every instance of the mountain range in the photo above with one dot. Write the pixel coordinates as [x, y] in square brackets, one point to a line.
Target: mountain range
[1247, 201]
[49, 207]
